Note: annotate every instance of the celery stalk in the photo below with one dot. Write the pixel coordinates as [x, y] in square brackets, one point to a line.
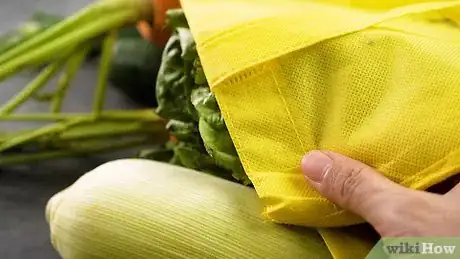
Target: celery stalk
[44, 131]
[110, 130]
[75, 133]
[72, 67]
[90, 23]
[100, 129]
[9, 160]
[38, 83]
[55, 48]
[104, 67]
[136, 115]
[86, 17]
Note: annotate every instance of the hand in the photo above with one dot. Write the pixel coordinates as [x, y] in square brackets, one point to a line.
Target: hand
[393, 210]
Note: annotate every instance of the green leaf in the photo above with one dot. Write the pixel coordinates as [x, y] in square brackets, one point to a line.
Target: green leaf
[215, 135]
[204, 101]
[174, 81]
[216, 140]
[191, 157]
[183, 131]
[175, 18]
[200, 77]
[206, 104]
[230, 162]
[187, 44]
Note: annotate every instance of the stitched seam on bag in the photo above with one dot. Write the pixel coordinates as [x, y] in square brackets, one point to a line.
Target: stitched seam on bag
[229, 123]
[289, 114]
[320, 199]
[237, 78]
[245, 75]
[445, 173]
[246, 166]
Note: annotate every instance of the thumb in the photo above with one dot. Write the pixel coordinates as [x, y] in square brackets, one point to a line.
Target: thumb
[352, 185]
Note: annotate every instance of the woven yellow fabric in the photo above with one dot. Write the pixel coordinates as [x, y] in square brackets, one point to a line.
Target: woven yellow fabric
[378, 81]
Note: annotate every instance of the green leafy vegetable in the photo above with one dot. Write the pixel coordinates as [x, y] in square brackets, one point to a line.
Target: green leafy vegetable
[200, 77]
[215, 135]
[201, 139]
[191, 157]
[184, 131]
[175, 18]
[175, 81]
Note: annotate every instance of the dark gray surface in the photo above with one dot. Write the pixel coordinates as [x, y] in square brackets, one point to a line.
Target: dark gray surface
[24, 191]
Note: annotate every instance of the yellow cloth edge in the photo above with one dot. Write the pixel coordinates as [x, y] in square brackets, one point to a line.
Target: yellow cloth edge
[436, 173]
[219, 72]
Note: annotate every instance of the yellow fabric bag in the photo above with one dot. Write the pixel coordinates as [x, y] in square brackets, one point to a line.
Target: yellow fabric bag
[378, 81]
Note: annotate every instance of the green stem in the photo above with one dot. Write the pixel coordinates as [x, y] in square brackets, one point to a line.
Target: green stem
[72, 67]
[86, 17]
[110, 129]
[104, 67]
[44, 131]
[36, 84]
[101, 131]
[54, 49]
[9, 160]
[137, 115]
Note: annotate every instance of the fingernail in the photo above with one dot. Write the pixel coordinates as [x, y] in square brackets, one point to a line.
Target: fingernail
[315, 165]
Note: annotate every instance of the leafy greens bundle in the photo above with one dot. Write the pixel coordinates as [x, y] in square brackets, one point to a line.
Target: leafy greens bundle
[199, 137]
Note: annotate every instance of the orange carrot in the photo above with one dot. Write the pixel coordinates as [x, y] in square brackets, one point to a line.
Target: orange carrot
[157, 31]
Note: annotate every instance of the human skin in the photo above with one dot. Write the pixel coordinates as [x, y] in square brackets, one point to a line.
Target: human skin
[393, 210]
